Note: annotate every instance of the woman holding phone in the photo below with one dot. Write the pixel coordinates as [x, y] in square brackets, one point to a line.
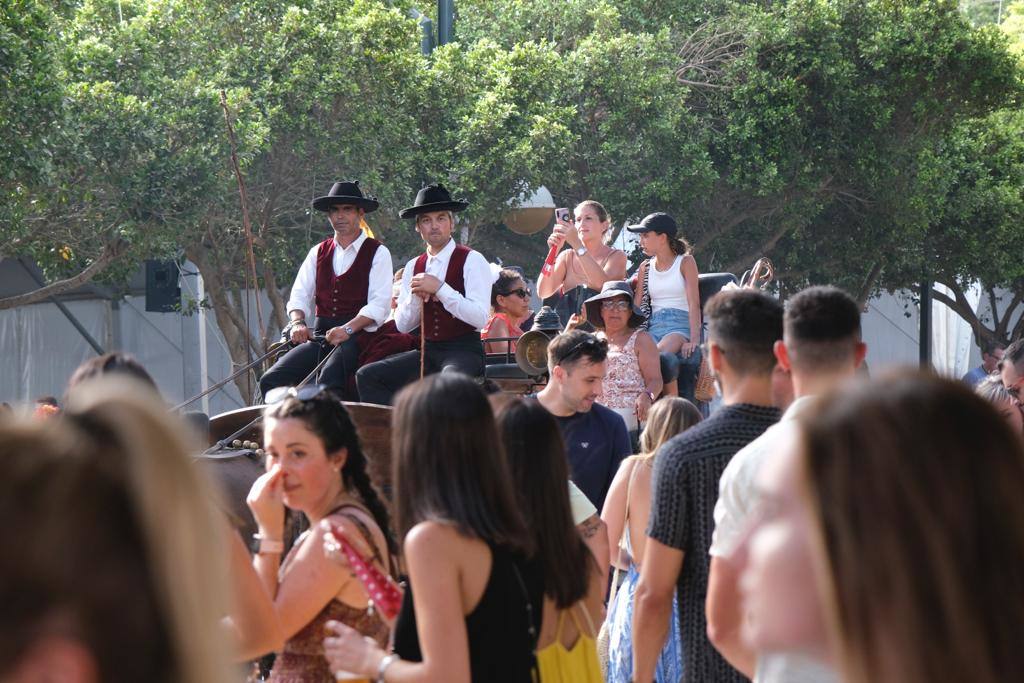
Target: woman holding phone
[579, 272]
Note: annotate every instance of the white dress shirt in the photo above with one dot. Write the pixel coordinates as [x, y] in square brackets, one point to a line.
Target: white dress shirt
[473, 309]
[378, 294]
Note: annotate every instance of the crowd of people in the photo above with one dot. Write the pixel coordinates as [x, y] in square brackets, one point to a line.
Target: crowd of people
[815, 526]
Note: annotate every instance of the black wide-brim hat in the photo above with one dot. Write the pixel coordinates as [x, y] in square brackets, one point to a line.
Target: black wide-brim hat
[610, 290]
[433, 198]
[346, 192]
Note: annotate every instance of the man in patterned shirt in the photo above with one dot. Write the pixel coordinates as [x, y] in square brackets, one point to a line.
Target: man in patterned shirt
[743, 326]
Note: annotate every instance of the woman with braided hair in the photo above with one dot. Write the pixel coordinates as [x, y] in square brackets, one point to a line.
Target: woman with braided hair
[315, 466]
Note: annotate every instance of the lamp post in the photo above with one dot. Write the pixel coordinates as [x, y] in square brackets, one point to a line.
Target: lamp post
[445, 21]
[925, 334]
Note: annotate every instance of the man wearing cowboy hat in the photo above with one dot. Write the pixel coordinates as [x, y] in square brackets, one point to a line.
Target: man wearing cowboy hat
[345, 282]
[449, 288]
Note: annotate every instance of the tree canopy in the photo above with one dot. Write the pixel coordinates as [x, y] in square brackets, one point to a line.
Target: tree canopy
[861, 142]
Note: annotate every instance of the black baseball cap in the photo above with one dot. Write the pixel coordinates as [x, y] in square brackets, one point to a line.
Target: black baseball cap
[656, 222]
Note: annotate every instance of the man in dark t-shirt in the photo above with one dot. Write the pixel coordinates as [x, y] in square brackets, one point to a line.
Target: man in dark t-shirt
[596, 440]
[743, 326]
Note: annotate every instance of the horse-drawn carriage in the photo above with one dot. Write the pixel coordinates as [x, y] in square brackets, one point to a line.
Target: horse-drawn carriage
[236, 458]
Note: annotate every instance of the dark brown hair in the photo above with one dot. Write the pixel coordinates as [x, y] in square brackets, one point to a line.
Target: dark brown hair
[916, 485]
[745, 323]
[568, 348]
[448, 463]
[540, 474]
[116, 363]
[821, 327]
[506, 276]
[326, 417]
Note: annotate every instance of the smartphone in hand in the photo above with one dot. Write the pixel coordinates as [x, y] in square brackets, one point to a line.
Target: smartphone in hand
[563, 215]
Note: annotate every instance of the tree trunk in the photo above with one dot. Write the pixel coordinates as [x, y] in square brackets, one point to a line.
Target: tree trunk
[278, 314]
[228, 320]
[868, 286]
[110, 253]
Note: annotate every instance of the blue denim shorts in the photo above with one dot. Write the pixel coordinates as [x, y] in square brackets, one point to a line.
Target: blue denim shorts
[669, 320]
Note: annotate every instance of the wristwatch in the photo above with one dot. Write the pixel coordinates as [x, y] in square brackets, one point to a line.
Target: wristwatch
[348, 330]
[581, 251]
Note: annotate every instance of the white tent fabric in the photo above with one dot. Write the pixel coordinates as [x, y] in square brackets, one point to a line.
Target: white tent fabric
[951, 335]
[39, 349]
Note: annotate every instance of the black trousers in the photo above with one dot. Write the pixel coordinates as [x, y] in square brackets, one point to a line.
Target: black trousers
[293, 366]
[379, 382]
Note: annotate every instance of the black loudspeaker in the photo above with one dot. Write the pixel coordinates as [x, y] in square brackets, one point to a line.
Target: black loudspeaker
[163, 295]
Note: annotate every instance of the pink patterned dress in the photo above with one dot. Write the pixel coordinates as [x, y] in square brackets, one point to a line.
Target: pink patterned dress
[622, 380]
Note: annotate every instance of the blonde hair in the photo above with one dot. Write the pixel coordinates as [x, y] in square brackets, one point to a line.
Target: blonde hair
[117, 536]
[602, 215]
[668, 416]
[914, 484]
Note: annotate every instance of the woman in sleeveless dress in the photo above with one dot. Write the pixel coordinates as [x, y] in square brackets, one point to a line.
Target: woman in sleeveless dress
[510, 306]
[469, 613]
[573, 605]
[626, 511]
[632, 379]
[580, 271]
[315, 466]
[667, 286]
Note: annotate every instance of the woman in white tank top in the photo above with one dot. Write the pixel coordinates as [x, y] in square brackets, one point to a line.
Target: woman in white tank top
[667, 287]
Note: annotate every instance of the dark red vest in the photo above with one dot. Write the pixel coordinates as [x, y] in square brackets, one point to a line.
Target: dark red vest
[439, 324]
[341, 296]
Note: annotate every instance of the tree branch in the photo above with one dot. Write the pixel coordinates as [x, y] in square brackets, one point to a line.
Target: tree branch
[110, 253]
[740, 264]
[869, 284]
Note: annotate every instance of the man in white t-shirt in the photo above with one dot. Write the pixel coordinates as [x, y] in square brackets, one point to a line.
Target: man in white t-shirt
[822, 348]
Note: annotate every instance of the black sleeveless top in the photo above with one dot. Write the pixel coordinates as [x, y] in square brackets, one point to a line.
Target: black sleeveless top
[501, 649]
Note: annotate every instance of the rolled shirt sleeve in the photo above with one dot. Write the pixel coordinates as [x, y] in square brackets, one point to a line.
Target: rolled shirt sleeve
[378, 293]
[475, 307]
[301, 297]
[407, 313]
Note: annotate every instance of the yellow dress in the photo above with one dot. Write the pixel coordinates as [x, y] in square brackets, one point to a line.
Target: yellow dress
[558, 664]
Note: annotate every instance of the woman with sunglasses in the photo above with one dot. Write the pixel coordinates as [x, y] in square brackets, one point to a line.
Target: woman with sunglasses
[510, 306]
[632, 381]
[581, 270]
[316, 466]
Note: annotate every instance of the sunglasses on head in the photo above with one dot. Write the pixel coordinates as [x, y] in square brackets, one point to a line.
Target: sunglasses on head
[522, 292]
[306, 392]
[588, 343]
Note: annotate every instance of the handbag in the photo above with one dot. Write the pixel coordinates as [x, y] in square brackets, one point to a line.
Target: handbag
[385, 593]
[704, 385]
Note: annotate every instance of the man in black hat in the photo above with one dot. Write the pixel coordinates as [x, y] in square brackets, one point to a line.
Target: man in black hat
[345, 282]
[448, 287]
